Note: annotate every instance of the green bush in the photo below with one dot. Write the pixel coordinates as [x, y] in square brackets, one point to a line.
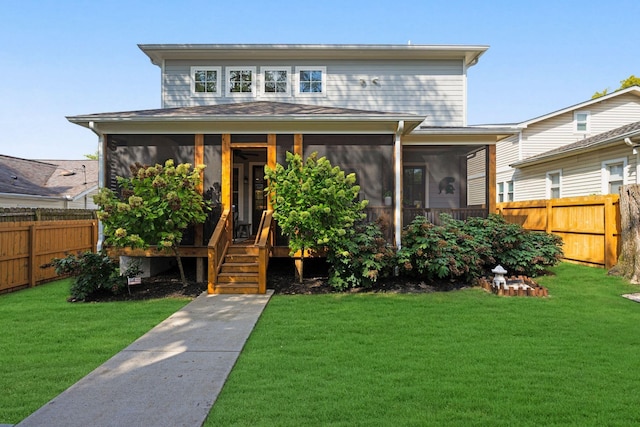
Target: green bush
[465, 250]
[519, 251]
[444, 251]
[360, 259]
[94, 272]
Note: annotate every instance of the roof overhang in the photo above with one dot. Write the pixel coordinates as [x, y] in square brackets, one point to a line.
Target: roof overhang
[633, 137]
[247, 118]
[467, 135]
[161, 52]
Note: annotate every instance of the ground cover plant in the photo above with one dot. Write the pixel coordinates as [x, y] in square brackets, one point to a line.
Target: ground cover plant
[48, 344]
[466, 357]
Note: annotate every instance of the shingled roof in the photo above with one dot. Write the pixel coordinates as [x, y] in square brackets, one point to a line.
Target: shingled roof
[612, 136]
[47, 178]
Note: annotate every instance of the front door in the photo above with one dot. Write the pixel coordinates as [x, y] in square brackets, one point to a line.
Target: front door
[259, 202]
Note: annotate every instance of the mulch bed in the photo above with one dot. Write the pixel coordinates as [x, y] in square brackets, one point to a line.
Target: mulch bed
[280, 278]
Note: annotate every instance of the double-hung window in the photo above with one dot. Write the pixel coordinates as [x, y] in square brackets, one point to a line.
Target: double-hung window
[276, 81]
[312, 81]
[505, 191]
[241, 81]
[581, 120]
[613, 172]
[205, 81]
[554, 184]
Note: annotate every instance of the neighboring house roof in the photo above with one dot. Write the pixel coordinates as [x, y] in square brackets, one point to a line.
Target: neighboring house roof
[237, 116]
[66, 179]
[634, 90]
[160, 52]
[617, 135]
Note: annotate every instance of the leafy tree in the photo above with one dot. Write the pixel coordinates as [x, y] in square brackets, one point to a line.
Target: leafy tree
[315, 204]
[93, 156]
[158, 203]
[632, 80]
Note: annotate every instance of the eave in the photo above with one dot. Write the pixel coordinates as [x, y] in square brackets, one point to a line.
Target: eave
[161, 52]
[467, 135]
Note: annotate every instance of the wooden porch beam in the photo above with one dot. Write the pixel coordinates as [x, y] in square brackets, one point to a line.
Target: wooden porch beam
[226, 191]
[199, 229]
[297, 144]
[271, 159]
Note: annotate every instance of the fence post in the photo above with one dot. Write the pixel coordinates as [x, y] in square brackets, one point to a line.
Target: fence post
[610, 248]
[549, 209]
[32, 255]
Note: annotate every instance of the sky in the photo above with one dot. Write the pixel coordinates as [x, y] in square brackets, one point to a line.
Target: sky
[63, 58]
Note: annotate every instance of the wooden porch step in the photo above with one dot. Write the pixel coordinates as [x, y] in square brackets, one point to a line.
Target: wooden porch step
[240, 258]
[242, 250]
[237, 277]
[239, 267]
[237, 288]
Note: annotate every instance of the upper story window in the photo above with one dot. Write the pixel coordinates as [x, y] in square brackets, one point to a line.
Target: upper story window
[241, 81]
[581, 121]
[613, 172]
[276, 81]
[205, 81]
[554, 184]
[311, 81]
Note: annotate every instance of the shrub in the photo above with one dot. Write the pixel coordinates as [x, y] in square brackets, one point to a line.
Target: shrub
[466, 249]
[361, 259]
[519, 251]
[444, 251]
[94, 272]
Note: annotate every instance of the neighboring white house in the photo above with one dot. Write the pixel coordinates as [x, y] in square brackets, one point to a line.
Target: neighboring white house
[576, 151]
[59, 184]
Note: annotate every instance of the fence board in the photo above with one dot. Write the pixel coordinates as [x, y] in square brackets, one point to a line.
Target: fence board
[26, 246]
[589, 226]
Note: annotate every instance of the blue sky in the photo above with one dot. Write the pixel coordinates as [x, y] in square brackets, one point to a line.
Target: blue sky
[61, 58]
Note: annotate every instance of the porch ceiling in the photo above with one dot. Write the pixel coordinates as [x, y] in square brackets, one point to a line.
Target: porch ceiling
[465, 135]
[249, 117]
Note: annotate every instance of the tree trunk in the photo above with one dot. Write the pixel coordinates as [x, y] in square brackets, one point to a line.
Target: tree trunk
[180, 267]
[628, 265]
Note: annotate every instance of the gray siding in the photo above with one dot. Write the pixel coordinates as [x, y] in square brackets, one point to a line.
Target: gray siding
[434, 88]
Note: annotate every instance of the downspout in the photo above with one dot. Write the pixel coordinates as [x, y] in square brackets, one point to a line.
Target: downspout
[397, 167]
[101, 176]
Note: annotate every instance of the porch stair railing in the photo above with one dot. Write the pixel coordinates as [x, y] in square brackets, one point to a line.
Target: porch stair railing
[240, 268]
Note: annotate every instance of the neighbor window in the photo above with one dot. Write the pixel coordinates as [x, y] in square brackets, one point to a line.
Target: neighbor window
[311, 80]
[276, 81]
[205, 81]
[581, 120]
[505, 191]
[241, 80]
[613, 175]
[554, 182]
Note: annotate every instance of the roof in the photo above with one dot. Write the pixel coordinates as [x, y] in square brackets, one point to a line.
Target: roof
[247, 117]
[47, 178]
[635, 90]
[160, 52]
[617, 135]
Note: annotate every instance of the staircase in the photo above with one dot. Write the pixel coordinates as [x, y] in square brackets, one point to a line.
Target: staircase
[239, 271]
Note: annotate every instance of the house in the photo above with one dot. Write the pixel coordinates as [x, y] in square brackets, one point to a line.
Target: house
[394, 114]
[581, 150]
[60, 184]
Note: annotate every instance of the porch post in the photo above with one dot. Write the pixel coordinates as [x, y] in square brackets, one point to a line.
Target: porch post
[491, 178]
[297, 144]
[397, 167]
[226, 181]
[271, 159]
[199, 229]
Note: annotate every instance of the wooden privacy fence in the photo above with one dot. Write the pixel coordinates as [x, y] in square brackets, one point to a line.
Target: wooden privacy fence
[26, 246]
[589, 226]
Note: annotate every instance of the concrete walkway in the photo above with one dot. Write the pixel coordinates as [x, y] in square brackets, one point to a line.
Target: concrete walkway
[171, 376]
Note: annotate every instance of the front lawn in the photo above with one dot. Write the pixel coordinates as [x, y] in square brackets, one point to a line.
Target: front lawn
[48, 344]
[456, 358]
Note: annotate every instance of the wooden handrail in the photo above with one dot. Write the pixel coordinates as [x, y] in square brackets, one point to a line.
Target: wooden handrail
[264, 242]
[217, 247]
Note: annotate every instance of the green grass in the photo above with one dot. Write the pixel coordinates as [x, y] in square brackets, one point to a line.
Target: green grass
[47, 344]
[459, 358]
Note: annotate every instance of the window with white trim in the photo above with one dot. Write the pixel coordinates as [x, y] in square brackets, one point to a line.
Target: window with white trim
[554, 184]
[205, 81]
[581, 120]
[276, 81]
[241, 81]
[311, 81]
[613, 175]
[505, 191]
